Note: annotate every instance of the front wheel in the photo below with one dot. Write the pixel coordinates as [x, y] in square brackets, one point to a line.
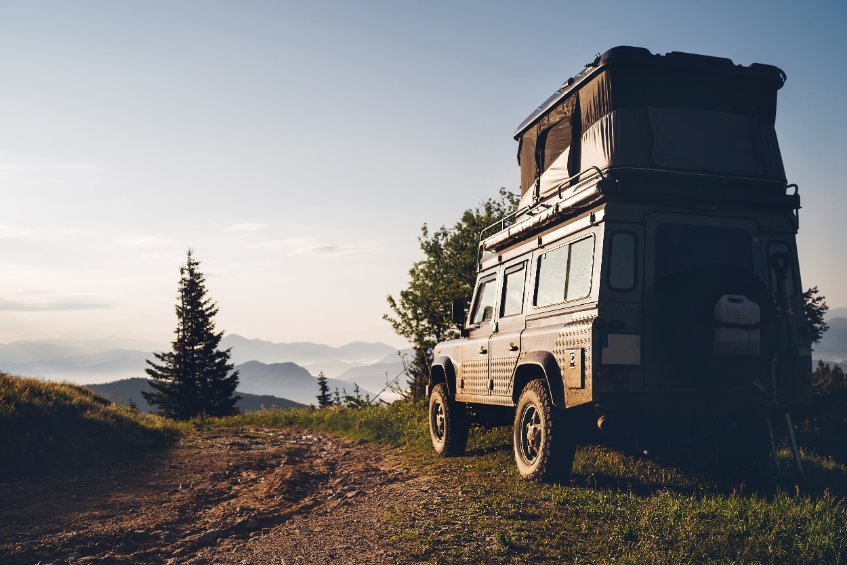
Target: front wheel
[448, 423]
[544, 447]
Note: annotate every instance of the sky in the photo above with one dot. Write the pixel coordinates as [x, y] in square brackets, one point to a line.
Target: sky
[298, 147]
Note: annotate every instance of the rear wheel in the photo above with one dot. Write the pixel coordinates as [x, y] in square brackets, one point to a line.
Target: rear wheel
[448, 423]
[544, 446]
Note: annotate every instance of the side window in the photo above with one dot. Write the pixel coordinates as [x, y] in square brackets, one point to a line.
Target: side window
[513, 287]
[580, 267]
[780, 258]
[551, 277]
[622, 261]
[565, 273]
[485, 296]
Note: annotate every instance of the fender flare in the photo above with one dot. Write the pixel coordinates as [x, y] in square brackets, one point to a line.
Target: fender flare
[443, 370]
[537, 364]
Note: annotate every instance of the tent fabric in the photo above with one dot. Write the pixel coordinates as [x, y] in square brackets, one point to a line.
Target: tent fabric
[678, 112]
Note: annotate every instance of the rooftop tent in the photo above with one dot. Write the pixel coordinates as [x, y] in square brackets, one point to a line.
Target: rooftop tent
[678, 112]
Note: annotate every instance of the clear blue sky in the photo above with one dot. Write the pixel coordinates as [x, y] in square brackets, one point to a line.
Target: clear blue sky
[299, 146]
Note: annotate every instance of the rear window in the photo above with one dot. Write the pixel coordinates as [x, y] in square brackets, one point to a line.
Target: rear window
[683, 247]
[622, 261]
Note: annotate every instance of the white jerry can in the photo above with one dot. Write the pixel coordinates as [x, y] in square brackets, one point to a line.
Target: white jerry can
[737, 320]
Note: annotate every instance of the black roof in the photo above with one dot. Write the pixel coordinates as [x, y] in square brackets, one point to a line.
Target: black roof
[638, 55]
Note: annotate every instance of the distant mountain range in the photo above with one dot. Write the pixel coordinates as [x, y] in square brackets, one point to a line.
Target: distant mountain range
[288, 380]
[357, 352]
[84, 361]
[260, 384]
[833, 345]
[129, 390]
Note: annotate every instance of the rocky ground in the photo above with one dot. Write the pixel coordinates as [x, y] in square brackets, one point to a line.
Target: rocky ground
[221, 495]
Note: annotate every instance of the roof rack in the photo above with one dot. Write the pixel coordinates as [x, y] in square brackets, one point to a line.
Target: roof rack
[594, 183]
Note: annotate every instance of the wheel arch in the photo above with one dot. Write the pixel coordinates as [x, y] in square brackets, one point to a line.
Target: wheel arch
[443, 371]
[539, 365]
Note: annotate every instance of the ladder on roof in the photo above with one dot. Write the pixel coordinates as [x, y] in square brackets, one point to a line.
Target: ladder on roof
[781, 432]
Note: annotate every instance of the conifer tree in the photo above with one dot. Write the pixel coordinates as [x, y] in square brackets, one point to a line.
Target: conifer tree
[324, 398]
[195, 377]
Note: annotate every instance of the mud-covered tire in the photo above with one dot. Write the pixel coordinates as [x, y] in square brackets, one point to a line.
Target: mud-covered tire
[544, 445]
[448, 423]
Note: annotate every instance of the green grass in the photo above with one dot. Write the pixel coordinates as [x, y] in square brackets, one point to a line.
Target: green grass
[46, 425]
[617, 507]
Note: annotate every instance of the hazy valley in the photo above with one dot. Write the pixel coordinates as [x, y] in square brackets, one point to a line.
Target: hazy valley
[271, 374]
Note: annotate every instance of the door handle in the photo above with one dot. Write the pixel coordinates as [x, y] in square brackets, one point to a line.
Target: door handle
[482, 350]
[513, 347]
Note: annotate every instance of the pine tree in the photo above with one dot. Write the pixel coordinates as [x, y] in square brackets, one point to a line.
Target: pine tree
[324, 398]
[815, 308]
[355, 400]
[194, 377]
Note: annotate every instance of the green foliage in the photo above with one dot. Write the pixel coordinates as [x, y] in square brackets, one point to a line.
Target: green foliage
[421, 314]
[324, 398]
[356, 400]
[814, 308]
[618, 507]
[829, 384]
[46, 425]
[397, 424]
[195, 377]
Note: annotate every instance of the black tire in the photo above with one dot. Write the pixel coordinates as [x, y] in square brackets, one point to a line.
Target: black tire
[448, 423]
[544, 445]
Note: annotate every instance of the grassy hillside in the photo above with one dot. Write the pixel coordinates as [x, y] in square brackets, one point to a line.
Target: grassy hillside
[45, 425]
[617, 507]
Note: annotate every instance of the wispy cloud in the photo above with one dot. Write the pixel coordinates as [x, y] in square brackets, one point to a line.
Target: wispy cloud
[11, 232]
[17, 168]
[246, 227]
[144, 241]
[47, 168]
[53, 305]
[312, 247]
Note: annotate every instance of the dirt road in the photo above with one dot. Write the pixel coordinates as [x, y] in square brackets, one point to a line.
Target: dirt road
[223, 496]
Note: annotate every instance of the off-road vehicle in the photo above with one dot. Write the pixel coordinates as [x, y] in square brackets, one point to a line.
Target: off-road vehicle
[649, 277]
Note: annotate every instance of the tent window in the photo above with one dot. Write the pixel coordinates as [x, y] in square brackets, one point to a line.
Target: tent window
[527, 160]
[557, 139]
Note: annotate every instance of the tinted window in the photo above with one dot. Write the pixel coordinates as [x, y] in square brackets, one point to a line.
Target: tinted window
[681, 247]
[484, 307]
[513, 285]
[579, 268]
[622, 261]
[565, 273]
[779, 256]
